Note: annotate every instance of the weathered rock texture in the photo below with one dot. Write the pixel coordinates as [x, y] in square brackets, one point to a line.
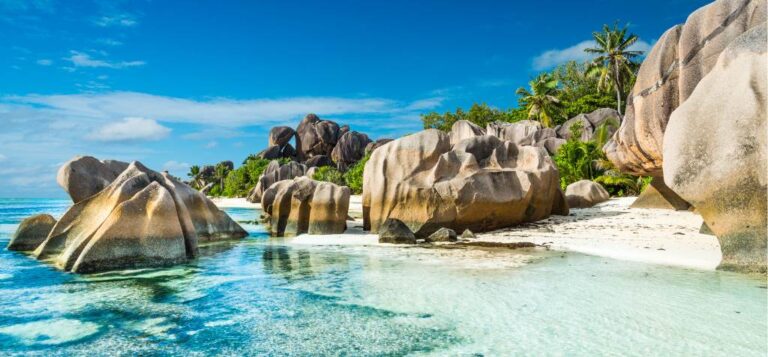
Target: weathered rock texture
[280, 135]
[394, 231]
[481, 183]
[274, 173]
[315, 137]
[31, 232]
[464, 129]
[585, 194]
[589, 122]
[672, 69]
[302, 205]
[349, 149]
[658, 195]
[375, 145]
[85, 176]
[141, 219]
[715, 150]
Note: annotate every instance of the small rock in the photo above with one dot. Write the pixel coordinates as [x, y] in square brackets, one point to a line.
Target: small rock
[443, 235]
[396, 232]
[468, 234]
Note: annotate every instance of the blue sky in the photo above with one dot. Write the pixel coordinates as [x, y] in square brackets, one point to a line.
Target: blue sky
[174, 83]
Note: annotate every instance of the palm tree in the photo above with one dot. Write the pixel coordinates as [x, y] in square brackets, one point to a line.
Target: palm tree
[221, 174]
[194, 175]
[541, 101]
[614, 63]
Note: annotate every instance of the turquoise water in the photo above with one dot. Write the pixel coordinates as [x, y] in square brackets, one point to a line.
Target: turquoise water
[269, 297]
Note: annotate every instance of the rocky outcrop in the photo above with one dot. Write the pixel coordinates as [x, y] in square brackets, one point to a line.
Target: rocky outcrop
[85, 176]
[715, 149]
[481, 183]
[31, 232]
[375, 145]
[277, 152]
[302, 205]
[519, 133]
[141, 219]
[274, 173]
[349, 149]
[464, 129]
[589, 122]
[319, 161]
[668, 76]
[394, 231]
[585, 194]
[658, 196]
[315, 137]
[280, 136]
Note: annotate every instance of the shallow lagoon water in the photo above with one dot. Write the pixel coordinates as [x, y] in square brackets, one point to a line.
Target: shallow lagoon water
[267, 296]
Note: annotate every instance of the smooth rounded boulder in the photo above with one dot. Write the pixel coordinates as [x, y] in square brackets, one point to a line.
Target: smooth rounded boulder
[349, 149]
[715, 151]
[32, 232]
[481, 183]
[275, 172]
[671, 70]
[303, 205]
[142, 218]
[585, 194]
[85, 176]
[315, 137]
[394, 231]
[280, 135]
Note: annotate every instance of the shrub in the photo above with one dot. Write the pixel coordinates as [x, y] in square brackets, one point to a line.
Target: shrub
[329, 174]
[354, 176]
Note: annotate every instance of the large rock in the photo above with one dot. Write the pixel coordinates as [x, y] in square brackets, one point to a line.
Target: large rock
[85, 176]
[375, 145]
[482, 183]
[589, 122]
[275, 172]
[280, 135]
[302, 205]
[141, 219]
[659, 196]
[585, 194]
[464, 129]
[31, 232]
[715, 150]
[319, 161]
[315, 137]
[349, 149]
[668, 76]
[519, 133]
[277, 152]
[552, 145]
[394, 231]
[443, 235]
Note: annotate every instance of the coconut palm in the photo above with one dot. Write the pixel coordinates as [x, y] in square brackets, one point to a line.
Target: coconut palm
[541, 100]
[614, 64]
[194, 175]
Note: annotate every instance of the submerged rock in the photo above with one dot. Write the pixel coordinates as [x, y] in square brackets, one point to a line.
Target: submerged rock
[31, 232]
[585, 194]
[481, 183]
[303, 205]
[394, 231]
[715, 149]
[141, 219]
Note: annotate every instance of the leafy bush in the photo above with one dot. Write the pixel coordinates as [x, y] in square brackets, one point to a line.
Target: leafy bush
[329, 174]
[480, 114]
[354, 176]
[574, 161]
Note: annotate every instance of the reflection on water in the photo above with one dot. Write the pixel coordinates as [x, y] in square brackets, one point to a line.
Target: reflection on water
[266, 296]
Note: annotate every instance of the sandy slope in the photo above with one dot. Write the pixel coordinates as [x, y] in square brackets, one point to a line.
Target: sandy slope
[611, 229]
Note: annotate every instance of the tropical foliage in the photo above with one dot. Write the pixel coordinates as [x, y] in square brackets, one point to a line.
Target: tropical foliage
[542, 100]
[230, 183]
[614, 64]
[329, 174]
[354, 176]
[480, 114]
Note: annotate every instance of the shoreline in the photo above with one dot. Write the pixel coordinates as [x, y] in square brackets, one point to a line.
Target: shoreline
[610, 229]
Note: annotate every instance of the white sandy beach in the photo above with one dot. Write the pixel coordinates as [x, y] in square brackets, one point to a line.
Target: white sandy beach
[610, 229]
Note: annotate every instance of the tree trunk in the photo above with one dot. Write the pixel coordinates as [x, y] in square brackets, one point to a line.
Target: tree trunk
[617, 86]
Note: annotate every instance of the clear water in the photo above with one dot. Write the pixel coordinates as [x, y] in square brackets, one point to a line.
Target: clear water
[268, 297]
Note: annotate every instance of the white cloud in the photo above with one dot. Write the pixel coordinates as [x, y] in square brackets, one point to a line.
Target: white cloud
[81, 59]
[130, 129]
[211, 144]
[424, 104]
[44, 62]
[555, 57]
[123, 20]
[213, 112]
[176, 168]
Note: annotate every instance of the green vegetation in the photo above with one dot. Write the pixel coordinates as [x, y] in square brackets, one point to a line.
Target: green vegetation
[570, 89]
[578, 160]
[354, 176]
[329, 174]
[614, 64]
[541, 100]
[231, 183]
